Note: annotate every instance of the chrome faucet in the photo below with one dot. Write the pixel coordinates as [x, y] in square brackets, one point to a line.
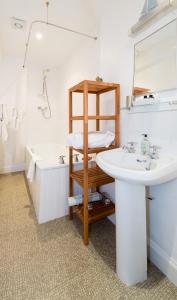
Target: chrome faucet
[61, 159]
[153, 154]
[148, 162]
[76, 157]
[130, 148]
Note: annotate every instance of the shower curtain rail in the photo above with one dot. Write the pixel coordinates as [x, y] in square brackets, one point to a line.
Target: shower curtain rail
[53, 25]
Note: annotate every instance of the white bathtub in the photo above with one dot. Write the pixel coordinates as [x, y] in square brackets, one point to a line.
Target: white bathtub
[49, 188]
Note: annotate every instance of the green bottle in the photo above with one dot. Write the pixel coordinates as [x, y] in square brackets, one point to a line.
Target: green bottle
[145, 145]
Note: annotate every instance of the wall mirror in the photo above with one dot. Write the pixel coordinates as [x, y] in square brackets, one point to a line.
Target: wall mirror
[155, 66]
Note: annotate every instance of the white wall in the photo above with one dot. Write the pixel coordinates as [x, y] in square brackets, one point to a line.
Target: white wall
[34, 128]
[11, 152]
[116, 17]
[40, 130]
[1, 57]
[82, 64]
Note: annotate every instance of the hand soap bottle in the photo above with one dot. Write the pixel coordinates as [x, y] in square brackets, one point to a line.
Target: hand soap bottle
[145, 145]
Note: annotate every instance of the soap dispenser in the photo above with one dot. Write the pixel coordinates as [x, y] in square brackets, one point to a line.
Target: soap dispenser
[145, 145]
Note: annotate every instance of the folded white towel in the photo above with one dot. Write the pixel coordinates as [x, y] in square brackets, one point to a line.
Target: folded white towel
[3, 131]
[95, 139]
[6, 118]
[32, 167]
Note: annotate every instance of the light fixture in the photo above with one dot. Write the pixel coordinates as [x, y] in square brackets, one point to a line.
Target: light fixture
[39, 36]
[153, 15]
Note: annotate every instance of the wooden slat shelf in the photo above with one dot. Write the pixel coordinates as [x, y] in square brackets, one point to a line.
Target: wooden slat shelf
[77, 118]
[140, 91]
[94, 87]
[95, 150]
[99, 211]
[96, 177]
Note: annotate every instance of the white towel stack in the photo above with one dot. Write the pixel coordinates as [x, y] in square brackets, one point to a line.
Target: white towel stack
[95, 139]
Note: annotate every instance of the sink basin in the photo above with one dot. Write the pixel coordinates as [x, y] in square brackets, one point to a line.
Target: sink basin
[132, 173]
[131, 167]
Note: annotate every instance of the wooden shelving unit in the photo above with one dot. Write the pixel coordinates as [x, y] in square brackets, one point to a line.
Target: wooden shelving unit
[96, 177]
[99, 211]
[91, 178]
[95, 150]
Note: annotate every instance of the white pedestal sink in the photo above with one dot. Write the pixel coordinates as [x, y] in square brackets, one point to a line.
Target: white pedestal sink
[131, 178]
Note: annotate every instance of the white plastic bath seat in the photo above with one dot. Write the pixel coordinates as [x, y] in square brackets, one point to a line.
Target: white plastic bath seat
[131, 178]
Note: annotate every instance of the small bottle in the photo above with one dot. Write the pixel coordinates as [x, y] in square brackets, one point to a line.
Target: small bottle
[145, 145]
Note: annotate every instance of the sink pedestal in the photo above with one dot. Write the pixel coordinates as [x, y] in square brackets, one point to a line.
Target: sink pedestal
[131, 240]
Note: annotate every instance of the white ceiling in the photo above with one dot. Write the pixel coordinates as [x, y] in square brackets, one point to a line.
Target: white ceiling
[56, 44]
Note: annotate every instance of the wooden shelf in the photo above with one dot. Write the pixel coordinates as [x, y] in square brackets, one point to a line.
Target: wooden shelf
[94, 87]
[99, 211]
[81, 118]
[91, 177]
[96, 177]
[140, 91]
[95, 150]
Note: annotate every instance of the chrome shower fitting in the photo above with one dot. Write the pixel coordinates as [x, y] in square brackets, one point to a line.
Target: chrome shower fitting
[46, 110]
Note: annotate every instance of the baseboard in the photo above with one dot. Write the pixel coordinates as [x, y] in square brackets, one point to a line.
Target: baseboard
[163, 261]
[112, 218]
[13, 168]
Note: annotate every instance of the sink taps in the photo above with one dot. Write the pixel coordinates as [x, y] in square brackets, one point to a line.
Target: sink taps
[76, 157]
[148, 163]
[153, 153]
[130, 148]
[61, 159]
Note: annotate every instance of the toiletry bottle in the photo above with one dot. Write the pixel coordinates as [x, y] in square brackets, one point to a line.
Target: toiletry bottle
[145, 145]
